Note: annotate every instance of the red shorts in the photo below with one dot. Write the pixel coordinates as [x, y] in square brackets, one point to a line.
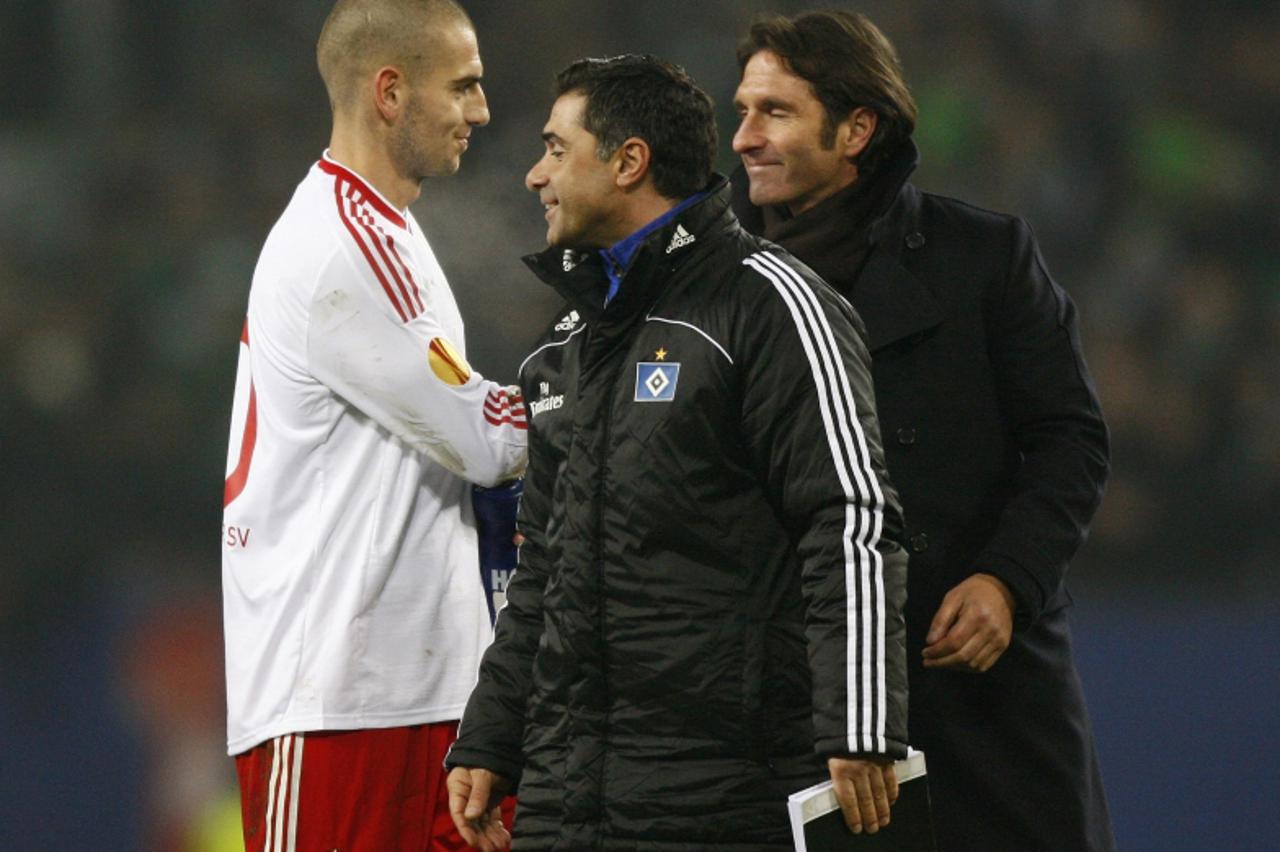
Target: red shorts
[377, 790]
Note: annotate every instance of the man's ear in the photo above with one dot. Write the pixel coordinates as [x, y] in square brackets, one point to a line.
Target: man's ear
[631, 163]
[855, 132]
[390, 92]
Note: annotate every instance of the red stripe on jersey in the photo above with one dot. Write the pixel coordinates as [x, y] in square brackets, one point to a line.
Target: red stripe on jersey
[373, 231]
[330, 167]
[373, 264]
[417, 294]
[499, 409]
[244, 333]
[498, 421]
[501, 397]
[236, 481]
[503, 408]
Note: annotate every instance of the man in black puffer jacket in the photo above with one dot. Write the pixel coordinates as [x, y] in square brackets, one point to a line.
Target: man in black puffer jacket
[707, 612]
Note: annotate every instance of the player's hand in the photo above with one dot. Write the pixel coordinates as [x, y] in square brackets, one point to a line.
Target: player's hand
[865, 791]
[973, 626]
[474, 795]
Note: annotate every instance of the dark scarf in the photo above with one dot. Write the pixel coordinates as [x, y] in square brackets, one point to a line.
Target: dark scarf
[834, 236]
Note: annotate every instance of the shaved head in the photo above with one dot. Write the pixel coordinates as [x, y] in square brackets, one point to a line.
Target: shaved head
[361, 36]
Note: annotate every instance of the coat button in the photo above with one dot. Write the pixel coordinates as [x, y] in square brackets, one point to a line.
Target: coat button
[915, 239]
[919, 543]
[906, 436]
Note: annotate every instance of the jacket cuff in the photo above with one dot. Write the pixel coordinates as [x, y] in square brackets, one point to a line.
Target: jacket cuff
[1028, 595]
[839, 747]
[479, 759]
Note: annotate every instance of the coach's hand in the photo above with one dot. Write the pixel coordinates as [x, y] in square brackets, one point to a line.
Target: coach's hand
[865, 791]
[973, 626]
[474, 795]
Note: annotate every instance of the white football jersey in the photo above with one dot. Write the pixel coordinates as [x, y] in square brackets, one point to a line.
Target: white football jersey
[351, 585]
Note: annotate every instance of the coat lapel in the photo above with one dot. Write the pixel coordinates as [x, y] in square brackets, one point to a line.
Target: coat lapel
[892, 302]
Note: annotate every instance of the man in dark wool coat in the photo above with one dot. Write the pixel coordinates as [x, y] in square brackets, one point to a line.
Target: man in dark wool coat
[992, 430]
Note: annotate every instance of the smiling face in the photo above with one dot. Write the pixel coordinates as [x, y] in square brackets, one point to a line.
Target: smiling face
[578, 190]
[445, 103]
[781, 135]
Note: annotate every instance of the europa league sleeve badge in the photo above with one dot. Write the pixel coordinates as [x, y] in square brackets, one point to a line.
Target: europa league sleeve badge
[447, 363]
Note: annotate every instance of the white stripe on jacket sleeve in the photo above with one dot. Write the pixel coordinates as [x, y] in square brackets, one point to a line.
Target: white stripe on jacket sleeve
[864, 508]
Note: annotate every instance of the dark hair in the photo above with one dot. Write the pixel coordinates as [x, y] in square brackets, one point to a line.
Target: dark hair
[849, 64]
[654, 100]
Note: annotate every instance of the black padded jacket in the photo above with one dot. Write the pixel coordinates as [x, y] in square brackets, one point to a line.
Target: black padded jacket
[709, 597]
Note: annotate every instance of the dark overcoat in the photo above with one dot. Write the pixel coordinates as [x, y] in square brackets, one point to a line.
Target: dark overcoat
[995, 439]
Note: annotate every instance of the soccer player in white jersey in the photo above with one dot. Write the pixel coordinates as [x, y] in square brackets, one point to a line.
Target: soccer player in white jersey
[354, 613]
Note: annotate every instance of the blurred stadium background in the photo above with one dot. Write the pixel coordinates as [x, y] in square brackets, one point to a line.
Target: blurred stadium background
[146, 148]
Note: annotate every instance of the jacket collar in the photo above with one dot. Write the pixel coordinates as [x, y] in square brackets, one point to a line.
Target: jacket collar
[617, 258]
[581, 279]
[892, 302]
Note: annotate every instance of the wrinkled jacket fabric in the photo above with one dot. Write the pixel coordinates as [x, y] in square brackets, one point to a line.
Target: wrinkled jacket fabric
[708, 600]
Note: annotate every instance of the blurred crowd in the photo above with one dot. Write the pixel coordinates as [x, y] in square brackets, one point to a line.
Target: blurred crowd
[147, 148]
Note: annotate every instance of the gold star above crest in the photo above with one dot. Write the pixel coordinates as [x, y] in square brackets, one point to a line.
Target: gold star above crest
[661, 354]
